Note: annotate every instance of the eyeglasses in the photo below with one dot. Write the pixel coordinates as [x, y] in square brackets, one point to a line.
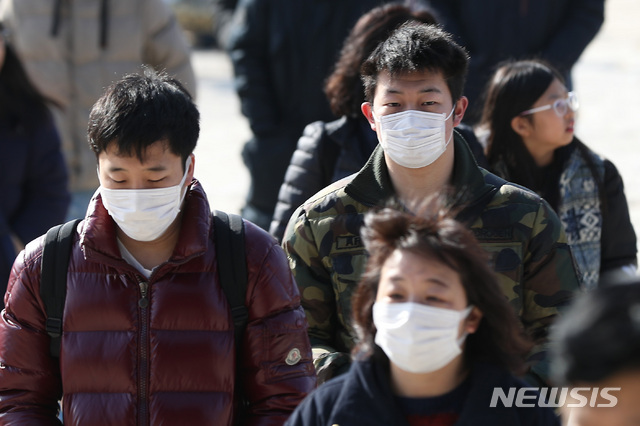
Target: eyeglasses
[560, 106]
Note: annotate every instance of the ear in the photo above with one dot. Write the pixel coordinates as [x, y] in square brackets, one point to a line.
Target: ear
[367, 110]
[191, 169]
[461, 108]
[472, 322]
[521, 125]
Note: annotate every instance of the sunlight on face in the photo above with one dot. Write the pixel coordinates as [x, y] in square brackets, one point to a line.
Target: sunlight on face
[408, 277]
[160, 168]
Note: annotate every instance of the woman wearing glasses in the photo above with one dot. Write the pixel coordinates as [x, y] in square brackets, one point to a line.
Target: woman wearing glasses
[529, 121]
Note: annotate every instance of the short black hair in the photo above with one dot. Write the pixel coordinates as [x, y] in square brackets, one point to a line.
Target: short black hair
[599, 336]
[142, 109]
[343, 87]
[416, 47]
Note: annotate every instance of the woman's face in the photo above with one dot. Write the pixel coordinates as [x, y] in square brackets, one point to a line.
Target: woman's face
[547, 130]
[408, 277]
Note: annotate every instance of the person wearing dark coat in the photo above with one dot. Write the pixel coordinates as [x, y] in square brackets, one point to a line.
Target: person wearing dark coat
[33, 174]
[282, 51]
[557, 31]
[438, 343]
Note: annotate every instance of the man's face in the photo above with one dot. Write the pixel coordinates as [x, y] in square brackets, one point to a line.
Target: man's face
[160, 168]
[421, 91]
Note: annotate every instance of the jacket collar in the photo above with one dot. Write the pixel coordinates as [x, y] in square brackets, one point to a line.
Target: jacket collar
[370, 380]
[98, 233]
[372, 184]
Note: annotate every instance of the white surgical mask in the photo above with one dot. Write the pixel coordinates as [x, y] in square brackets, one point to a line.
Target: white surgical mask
[414, 138]
[418, 338]
[145, 214]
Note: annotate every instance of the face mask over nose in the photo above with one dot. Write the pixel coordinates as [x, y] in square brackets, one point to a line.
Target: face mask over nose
[145, 214]
[414, 139]
[418, 338]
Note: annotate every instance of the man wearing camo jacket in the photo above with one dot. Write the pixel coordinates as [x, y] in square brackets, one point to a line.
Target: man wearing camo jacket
[413, 89]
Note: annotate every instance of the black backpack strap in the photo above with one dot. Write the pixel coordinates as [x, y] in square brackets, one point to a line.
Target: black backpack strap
[232, 268]
[53, 278]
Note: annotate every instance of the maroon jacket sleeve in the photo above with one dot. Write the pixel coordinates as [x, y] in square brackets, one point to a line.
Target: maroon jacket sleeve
[277, 365]
[30, 385]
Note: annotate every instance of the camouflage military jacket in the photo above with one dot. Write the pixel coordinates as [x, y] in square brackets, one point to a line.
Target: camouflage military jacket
[518, 228]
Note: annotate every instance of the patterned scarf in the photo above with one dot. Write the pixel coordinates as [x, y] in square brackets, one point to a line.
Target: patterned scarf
[580, 212]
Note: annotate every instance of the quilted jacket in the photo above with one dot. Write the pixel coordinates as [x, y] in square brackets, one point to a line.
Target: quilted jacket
[154, 351]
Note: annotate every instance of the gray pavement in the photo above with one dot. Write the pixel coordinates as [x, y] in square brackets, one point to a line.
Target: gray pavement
[606, 79]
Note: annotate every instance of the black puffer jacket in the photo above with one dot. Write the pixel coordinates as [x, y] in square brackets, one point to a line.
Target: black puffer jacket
[326, 152]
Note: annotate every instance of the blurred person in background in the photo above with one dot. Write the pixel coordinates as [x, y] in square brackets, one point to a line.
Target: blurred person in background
[529, 118]
[33, 174]
[282, 52]
[73, 49]
[223, 13]
[493, 31]
[597, 351]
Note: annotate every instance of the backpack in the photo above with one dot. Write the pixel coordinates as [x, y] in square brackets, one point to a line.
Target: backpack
[232, 273]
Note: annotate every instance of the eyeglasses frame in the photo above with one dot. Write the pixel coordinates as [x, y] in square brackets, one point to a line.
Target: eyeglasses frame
[566, 100]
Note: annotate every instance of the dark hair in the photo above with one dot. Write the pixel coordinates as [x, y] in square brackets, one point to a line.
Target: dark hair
[344, 87]
[22, 106]
[139, 110]
[598, 336]
[515, 87]
[416, 47]
[433, 233]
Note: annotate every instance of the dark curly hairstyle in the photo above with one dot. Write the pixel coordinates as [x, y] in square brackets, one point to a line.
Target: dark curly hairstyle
[433, 233]
[344, 87]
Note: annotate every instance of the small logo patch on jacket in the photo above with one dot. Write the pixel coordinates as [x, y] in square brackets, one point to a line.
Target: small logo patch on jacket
[293, 357]
[493, 234]
[352, 241]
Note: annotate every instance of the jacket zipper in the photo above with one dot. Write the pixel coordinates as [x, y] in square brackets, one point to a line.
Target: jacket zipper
[143, 363]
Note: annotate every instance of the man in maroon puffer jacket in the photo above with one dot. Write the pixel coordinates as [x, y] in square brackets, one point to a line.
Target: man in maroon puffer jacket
[148, 336]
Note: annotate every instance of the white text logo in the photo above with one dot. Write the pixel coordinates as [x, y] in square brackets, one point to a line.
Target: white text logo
[554, 397]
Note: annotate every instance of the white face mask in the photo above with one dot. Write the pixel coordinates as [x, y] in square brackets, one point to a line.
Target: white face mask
[418, 338]
[145, 214]
[413, 138]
